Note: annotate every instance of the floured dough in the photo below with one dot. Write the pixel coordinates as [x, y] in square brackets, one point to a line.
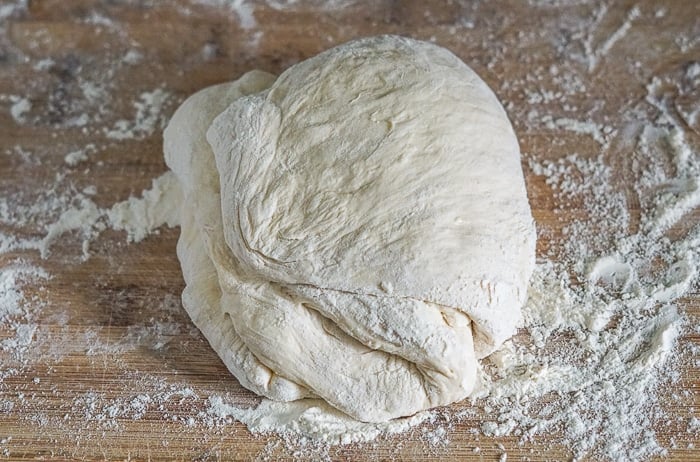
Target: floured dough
[356, 229]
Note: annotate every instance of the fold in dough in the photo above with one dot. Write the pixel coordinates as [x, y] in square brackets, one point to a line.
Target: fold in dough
[356, 229]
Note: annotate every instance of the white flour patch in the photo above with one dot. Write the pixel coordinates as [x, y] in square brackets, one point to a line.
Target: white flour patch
[18, 312]
[12, 8]
[621, 320]
[73, 158]
[157, 206]
[311, 419]
[133, 57]
[20, 107]
[599, 133]
[137, 216]
[78, 156]
[12, 278]
[149, 117]
[594, 57]
[106, 412]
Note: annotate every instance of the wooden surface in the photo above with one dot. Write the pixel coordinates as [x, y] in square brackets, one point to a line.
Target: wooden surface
[187, 46]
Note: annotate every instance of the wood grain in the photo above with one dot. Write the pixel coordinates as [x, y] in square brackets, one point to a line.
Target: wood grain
[187, 46]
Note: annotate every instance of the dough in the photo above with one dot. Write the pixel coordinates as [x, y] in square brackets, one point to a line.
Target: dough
[356, 229]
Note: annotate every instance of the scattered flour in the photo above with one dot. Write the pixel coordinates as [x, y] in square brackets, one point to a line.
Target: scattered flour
[148, 117]
[599, 133]
[73, 158]
[604, 333]
[156, 207]
[12, 277]
[18, 313]
[595, 56]
[78, 156]
[137, 216]
[311, 419]
[20, 107]
[620, 314]
[12, 8]
[133, 57]
[106, 412]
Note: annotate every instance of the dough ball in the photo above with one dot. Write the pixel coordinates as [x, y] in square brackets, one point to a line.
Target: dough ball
[356, 229]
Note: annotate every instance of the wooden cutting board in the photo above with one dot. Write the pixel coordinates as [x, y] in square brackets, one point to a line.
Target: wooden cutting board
[180, 47]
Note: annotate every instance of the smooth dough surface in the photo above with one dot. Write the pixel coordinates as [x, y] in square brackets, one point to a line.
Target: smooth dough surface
[356, 229]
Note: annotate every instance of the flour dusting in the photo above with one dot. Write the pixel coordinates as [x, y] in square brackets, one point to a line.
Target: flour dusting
[603, 363]
[312, 420]
[147, 119]
[20, 107]
[18, 313]
[601, 328]
[137, 216]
